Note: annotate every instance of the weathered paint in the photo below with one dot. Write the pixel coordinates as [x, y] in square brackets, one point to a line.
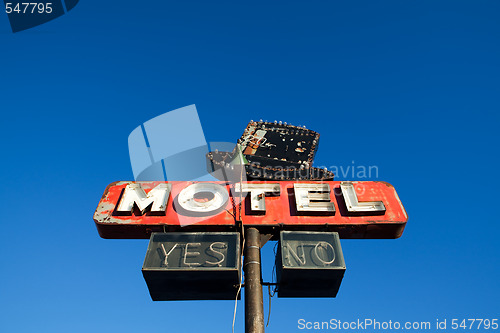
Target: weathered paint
[281, 213]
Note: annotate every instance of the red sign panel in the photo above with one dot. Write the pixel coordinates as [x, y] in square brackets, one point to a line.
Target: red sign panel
[362, 209]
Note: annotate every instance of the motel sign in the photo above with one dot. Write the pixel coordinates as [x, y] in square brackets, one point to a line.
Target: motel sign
[198, 230]
[204, 235]
[364, 209]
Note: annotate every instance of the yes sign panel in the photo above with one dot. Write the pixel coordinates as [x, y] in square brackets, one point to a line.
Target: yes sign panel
[362, 209]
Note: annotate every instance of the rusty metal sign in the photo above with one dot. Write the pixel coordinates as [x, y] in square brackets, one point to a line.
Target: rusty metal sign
[364, 209]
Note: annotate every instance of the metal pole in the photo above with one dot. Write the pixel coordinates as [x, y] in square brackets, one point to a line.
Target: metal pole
[254, 302]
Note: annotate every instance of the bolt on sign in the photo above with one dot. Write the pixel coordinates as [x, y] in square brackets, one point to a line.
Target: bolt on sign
[193, 266]
[309, 264]
[364, 209]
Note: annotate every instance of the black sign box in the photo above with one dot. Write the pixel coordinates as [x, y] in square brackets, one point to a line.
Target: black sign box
[193, 266]
[309, 264]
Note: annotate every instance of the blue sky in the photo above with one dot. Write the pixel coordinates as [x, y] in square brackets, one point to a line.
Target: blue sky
[411, 87]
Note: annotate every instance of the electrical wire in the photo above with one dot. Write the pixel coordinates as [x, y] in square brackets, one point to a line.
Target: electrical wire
[270, 297]
[242, 166]
[273, 281]
[241, 282]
